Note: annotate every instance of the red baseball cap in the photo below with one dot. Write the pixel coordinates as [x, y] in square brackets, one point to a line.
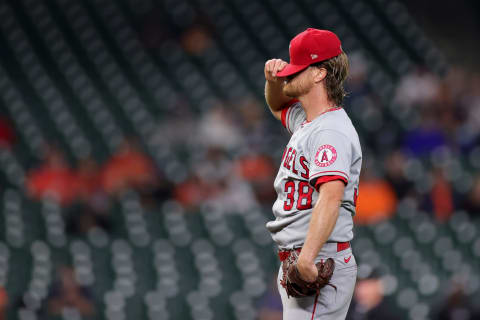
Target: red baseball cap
[309, 47]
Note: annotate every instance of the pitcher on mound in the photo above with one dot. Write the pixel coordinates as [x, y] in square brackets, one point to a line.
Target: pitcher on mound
[317, 182]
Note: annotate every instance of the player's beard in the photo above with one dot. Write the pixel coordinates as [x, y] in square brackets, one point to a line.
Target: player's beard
[297, 86]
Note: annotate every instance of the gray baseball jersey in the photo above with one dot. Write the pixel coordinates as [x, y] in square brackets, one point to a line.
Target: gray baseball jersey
[325, 149]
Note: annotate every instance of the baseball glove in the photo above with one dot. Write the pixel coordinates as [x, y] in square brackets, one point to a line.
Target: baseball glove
[297, 287]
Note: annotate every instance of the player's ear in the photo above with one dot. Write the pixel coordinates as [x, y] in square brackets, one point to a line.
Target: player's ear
[320, 74]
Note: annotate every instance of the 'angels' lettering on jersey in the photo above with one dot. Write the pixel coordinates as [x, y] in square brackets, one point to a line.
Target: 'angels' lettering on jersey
[289, 161]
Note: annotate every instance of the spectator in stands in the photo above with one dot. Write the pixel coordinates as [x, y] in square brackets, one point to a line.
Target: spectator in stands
[90, 190]
[417, 88]
[251, 113]
[368, 300]
[357, 85]
[441, 196]
[160, 191]
[427, 137]
[253, 125]
[196, 40]
[469, 98]
[67, 293]
[207, 181]
[191, 192]
[472, 201]
[3, 303]
[7, 134]
[88, 175]
[259, 171]
[394, 173]
[376, 198]
[217, 129]
[53, 178]
[81, 217]
[129, 167]
[457, 305]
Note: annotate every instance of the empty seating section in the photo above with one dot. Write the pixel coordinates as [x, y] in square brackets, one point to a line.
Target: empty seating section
[134, 221]
[218, 263]
[27, 126]
[12, 169]
[88, 96]
[54, 224]
[406, 27]
[48, 93]
[78, 72]
[13, 223]
[116, 80]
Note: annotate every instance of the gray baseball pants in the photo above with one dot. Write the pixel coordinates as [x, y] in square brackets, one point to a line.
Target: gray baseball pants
[331, 303]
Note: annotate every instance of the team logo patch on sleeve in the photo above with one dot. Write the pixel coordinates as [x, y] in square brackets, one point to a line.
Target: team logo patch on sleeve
[326, 155]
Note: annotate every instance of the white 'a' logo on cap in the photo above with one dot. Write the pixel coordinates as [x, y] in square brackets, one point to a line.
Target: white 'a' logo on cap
[314, 56]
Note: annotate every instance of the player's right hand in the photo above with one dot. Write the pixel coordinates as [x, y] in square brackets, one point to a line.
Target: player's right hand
[273, 66]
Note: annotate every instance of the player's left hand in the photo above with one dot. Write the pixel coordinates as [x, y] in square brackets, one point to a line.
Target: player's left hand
[307, 282]
[308, 270]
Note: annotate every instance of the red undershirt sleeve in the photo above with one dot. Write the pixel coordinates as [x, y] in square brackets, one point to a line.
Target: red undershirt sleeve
[324, 179]
[289, 110]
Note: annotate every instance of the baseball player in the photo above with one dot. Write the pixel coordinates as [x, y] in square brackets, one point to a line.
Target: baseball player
[317, 183]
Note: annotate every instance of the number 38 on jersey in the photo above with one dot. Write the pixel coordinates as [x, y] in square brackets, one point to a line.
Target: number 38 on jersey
[304, 198]
[298, 193]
